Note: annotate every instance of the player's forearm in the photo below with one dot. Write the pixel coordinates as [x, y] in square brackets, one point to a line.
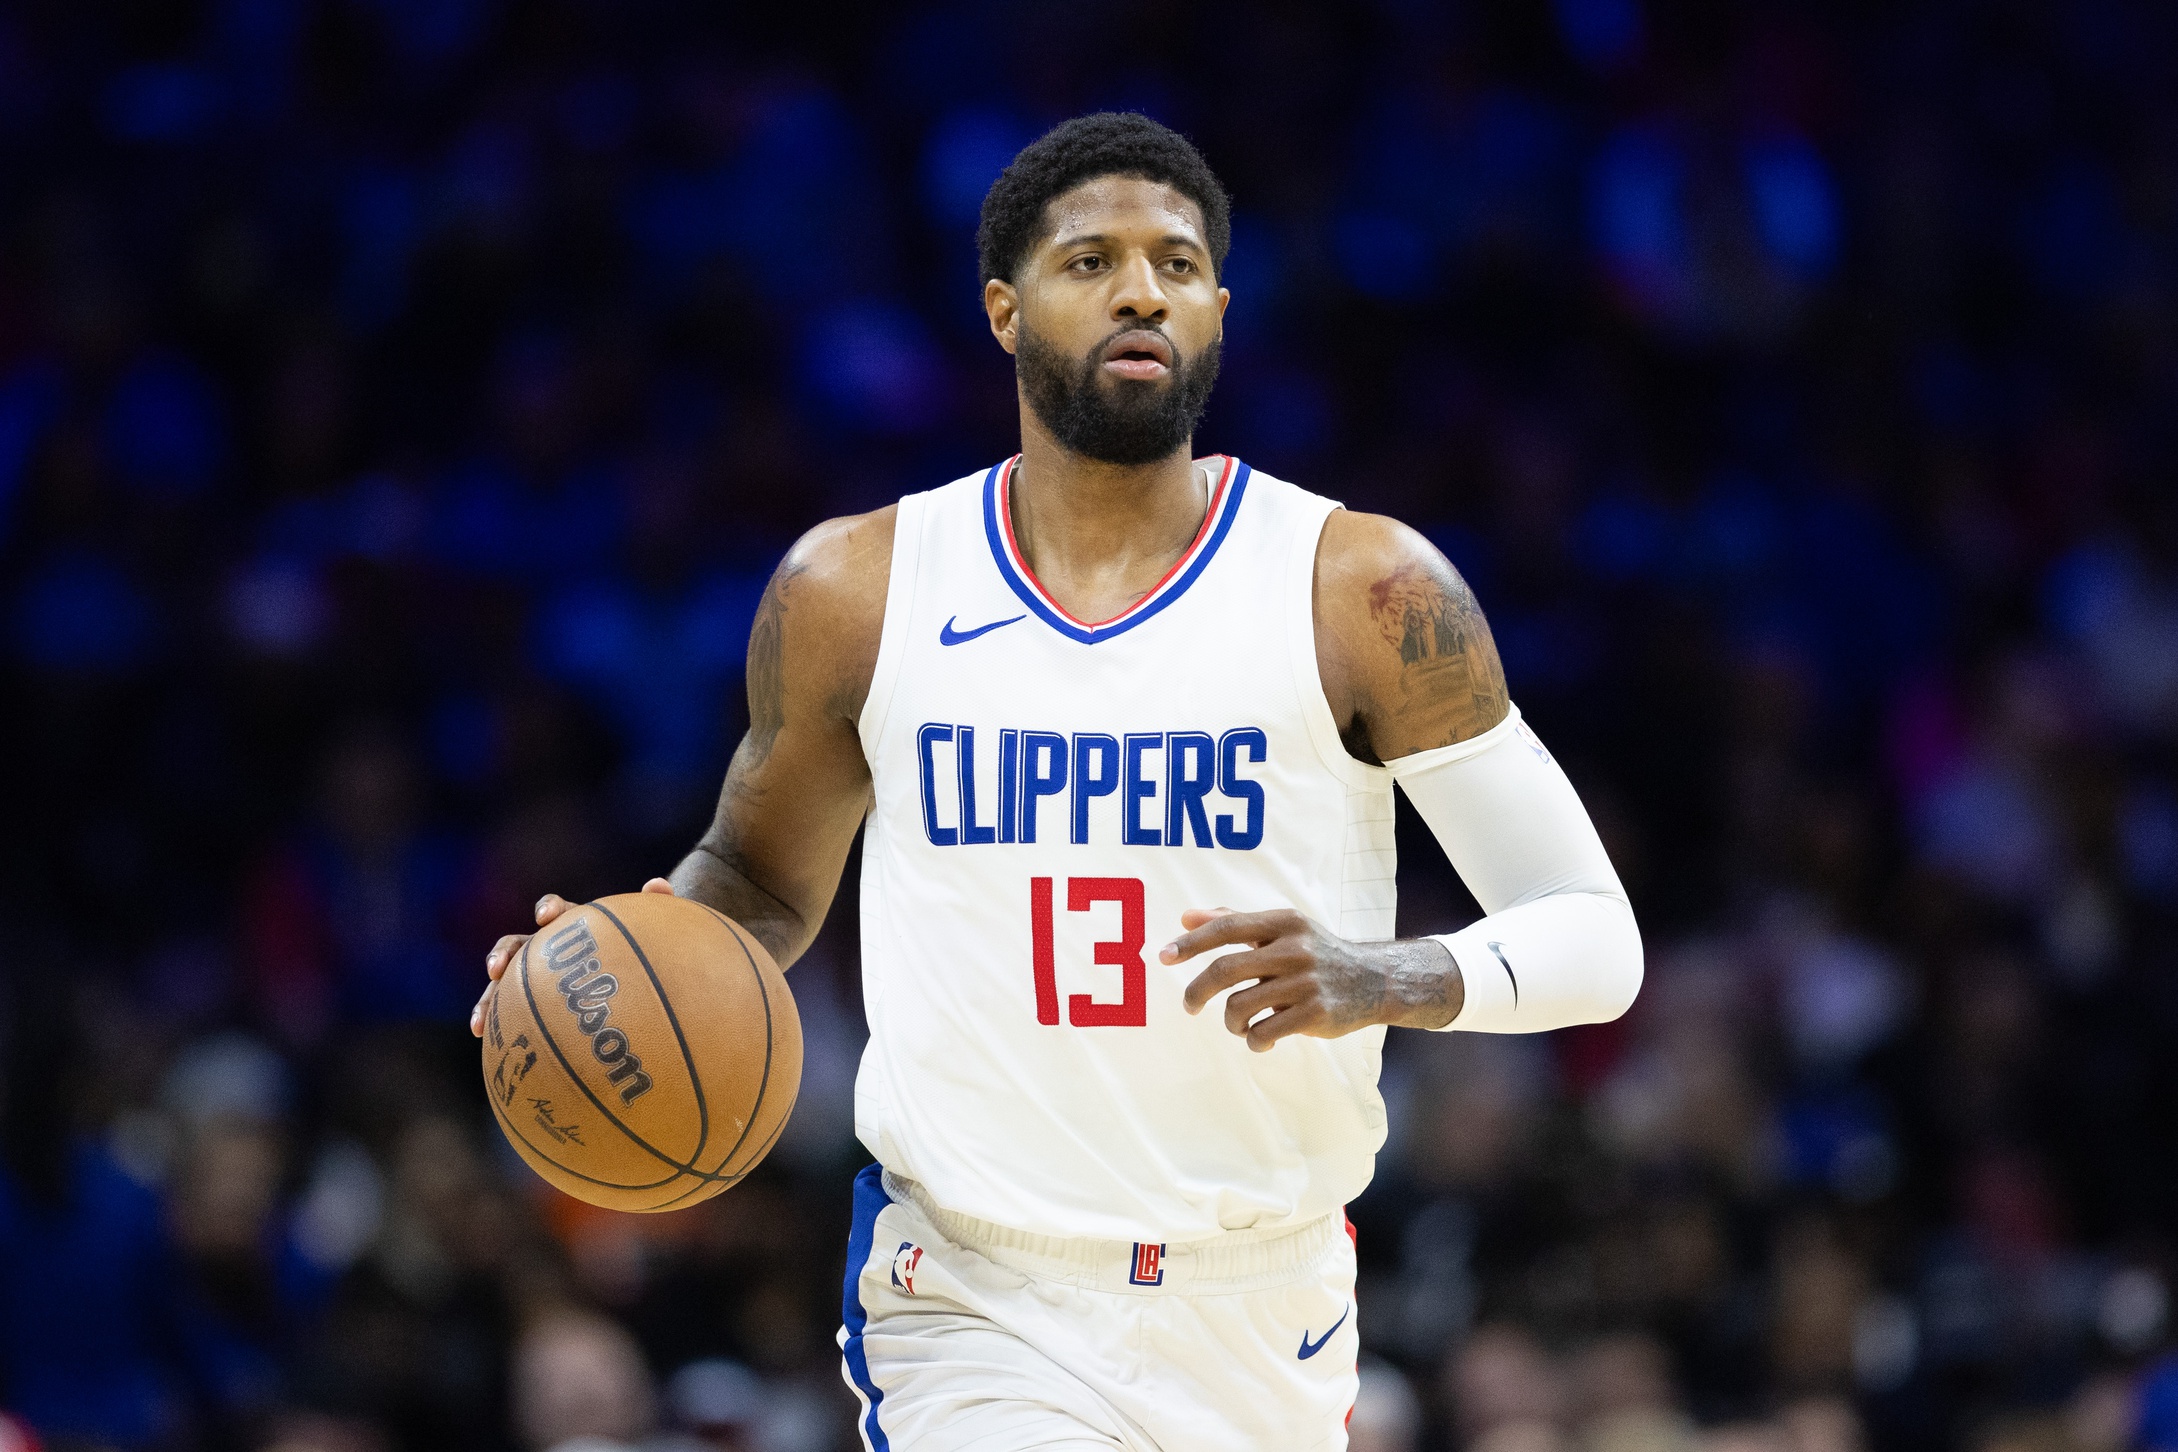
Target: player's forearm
[1566, 959]
[1559, 945]
[787, 815]
[707, 876]
[1423, 986]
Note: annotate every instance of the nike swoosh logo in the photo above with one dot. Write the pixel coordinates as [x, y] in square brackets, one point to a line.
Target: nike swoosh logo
[947, 635]
[1309, 1348]
[1499, 950]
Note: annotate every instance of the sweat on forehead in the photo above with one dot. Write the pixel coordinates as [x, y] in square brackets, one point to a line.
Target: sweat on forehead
[1107, 201]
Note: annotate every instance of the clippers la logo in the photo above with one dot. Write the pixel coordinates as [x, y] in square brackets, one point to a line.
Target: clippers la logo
[904, 1262]
[1149, 1265]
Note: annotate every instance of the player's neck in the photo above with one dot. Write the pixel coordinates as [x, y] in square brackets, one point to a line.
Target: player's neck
[1099, 531]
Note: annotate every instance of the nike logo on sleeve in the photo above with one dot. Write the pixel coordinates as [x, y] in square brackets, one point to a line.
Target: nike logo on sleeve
[1499, 950]
[947, 635]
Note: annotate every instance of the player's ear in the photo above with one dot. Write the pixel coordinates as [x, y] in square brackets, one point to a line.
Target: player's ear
[1002, 305]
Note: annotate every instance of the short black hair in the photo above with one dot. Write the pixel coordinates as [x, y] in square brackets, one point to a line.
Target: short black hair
[1105, 143]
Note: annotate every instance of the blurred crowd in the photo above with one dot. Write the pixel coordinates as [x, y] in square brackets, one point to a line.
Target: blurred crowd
[402, 403]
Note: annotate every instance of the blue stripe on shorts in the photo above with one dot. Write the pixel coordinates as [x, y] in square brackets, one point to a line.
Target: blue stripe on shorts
[870, 1198]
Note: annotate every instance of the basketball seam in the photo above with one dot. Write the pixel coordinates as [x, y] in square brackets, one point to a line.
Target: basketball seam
[558, 1053]
[763, 992]
[695, 1079]
[507, 1124]
[765, 1148]
[739, 1175]
[509, 1127]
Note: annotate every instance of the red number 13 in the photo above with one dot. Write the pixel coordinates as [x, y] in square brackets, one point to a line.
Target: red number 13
[1082, 1011]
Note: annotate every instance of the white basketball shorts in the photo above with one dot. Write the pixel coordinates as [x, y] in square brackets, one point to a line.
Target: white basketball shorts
[962, 1336]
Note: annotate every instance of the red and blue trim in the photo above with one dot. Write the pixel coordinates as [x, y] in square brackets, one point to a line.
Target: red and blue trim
[1217, 522]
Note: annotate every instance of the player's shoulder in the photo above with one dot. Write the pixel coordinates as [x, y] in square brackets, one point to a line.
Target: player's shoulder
[844, 561]
[824, 611]
[1378, 580]
[827, 598]
[844, 564]
[1348, 536]
[1358, 553]
[845, 542]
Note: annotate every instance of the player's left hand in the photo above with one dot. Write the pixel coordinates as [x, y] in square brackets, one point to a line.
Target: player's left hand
[1311, 981]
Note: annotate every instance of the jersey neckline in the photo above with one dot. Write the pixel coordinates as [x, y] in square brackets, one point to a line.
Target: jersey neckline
[1217, 522]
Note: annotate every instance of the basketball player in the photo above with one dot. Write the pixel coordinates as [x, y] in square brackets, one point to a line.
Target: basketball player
[1120, 726]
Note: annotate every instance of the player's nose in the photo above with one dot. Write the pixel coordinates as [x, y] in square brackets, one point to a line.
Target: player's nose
[1137, 292]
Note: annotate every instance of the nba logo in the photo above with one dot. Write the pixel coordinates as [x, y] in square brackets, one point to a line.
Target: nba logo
[904, 1261]
[1149, 1265]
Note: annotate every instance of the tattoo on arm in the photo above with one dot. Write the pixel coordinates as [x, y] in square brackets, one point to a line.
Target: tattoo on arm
[766, 664]
[715, 872]
[1423, 982]
[1451, 685]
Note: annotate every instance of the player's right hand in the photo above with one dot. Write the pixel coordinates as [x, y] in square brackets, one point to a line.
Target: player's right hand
[550, 906]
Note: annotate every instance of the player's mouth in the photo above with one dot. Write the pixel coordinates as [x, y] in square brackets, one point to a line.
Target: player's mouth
[1141, 355]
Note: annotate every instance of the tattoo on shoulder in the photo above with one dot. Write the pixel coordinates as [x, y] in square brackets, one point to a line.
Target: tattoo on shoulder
[1451, 685]
[766, 668]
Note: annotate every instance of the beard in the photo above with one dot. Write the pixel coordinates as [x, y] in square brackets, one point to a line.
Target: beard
[1123, 422]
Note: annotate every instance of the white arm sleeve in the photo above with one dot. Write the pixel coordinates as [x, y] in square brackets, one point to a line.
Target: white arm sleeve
[1559, 945]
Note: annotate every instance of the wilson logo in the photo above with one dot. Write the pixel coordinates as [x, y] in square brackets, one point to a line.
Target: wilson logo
[571, 954]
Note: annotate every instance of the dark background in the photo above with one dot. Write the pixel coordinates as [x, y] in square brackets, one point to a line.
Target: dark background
[403, 401]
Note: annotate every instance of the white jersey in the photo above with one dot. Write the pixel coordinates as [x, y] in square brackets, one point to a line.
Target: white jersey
[1050, 795]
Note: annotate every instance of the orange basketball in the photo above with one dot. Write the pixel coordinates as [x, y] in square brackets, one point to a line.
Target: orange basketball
[642, 1052]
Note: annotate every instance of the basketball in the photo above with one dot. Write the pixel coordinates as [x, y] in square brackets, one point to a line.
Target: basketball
[642, 1052]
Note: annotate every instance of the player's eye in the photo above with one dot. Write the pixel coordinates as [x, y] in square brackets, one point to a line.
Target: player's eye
[1087, 264]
